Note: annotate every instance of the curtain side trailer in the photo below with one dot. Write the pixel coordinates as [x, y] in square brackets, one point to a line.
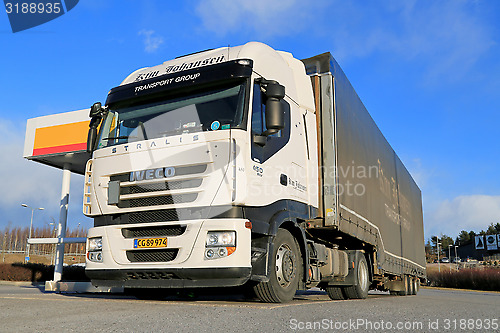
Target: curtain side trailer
[243, 166]
[370, 202]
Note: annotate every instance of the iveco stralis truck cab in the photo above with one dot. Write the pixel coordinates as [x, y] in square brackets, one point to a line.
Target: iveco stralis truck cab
[200, 167]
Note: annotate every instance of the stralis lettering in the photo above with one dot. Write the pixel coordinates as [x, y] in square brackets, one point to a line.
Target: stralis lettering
[152, 174]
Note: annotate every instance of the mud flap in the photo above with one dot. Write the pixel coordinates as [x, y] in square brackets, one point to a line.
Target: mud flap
[261, 247]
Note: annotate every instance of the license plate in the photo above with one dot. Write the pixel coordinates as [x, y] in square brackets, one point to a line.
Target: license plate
[150, 243]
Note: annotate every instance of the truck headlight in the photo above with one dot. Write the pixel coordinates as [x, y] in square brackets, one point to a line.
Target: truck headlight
[221, 238]
[220, 244]
[95, 256]
[95, 244]
[94, 249]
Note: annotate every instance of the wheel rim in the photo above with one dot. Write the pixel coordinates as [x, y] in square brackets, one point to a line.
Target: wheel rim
[363, 276]
[285, 265]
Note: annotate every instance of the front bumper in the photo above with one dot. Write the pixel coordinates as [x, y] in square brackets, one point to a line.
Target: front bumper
[171, 278]
[189, 268]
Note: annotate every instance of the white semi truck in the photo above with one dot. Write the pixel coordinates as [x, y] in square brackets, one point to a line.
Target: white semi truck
[243, 166]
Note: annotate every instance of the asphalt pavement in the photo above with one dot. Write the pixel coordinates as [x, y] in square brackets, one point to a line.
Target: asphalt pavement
[27, 308]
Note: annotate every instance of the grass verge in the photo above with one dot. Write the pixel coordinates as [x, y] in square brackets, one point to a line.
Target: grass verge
[487, 279]
[39, 272]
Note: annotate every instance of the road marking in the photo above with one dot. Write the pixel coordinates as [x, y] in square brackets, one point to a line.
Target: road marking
[164, 302]
[205, 303]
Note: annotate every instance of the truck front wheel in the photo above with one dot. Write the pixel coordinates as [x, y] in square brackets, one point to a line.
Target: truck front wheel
[286, 270]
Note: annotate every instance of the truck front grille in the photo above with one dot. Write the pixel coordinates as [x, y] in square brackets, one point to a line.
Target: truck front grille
[158, 201]
[166, 230]
[152, 255]
[162, 186]
[163, 215]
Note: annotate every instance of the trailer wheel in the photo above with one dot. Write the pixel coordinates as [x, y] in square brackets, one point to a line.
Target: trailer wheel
[360, 290]
[406, 284]
[335, 293]
[410, 285]
[284, 278]
[414, 286]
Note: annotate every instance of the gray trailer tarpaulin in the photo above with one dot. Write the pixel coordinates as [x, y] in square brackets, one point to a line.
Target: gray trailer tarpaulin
[366, 190]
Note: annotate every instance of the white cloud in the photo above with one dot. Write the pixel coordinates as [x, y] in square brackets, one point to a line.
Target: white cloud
[32, 183]
[447, 37]
[23, 178]
[444, 38]
[466, 212]
[151, 40]
[264, 17]
[446, 212]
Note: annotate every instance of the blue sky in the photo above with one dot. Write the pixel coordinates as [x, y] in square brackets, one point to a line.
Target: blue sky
[427, 71]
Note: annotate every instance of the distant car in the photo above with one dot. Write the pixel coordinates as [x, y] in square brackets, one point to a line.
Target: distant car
[82, 264]
[456, 260]
[445, 260]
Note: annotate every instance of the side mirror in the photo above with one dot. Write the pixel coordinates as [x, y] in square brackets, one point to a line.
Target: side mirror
[95, 110]
[275, 119]
[91, 139]
[96, 114]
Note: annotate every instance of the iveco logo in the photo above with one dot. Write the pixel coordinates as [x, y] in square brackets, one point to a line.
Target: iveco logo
[152, 174]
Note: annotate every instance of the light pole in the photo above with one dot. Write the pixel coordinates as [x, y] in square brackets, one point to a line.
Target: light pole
[53, 248]
[31, 228]
[449, 254]
[78, 245]
[439, 264]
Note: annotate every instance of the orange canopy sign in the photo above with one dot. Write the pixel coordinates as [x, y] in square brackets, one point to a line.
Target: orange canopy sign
[58, 139]
[61, 138]
[56, 134]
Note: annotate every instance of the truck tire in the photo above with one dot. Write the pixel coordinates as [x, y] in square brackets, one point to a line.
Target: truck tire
[247, 290]
[360, 290]
[335, 293]
[286, 261]
[406, 289]
[410, 286]
[414, 286]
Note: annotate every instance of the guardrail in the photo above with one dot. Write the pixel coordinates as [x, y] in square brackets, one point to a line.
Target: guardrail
[55, 240]
[59, 260]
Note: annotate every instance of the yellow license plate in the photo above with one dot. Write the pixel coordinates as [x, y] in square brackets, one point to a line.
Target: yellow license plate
[142, 243]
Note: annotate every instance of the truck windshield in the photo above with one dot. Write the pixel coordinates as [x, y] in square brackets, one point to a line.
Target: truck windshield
[209, 110]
